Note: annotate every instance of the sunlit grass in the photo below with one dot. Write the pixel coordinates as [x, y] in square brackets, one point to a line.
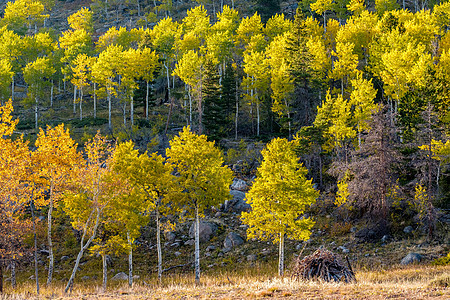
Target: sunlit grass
[413, 282]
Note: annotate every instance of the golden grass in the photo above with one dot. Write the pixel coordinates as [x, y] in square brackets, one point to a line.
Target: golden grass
[415, 282]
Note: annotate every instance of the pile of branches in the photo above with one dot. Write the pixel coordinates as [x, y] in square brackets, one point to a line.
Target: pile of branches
[325, 265]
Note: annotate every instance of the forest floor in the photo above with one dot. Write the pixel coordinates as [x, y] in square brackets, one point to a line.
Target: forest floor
[411, 282]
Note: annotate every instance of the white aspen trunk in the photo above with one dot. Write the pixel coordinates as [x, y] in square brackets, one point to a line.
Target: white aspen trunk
[257, 117]
[51, 95]
[49, 237]
[64, 83]
[281, 256]
[130, 261]
[59, 85]
[221, 6]
[36, 273]
[146, 100]
[197, 246]
[232, 4]
[83, 247]
[158, 245]
[81, 101]
[74, 99]
[36, 113]
[95, 100]
[105, 273]
[124, 113]
[109, 108]
[139, 8]
[132, 112]
[12, 89]
[13, 274]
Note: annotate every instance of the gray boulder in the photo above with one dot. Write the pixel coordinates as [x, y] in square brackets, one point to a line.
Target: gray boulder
[239, 184]
[237, 203]
[207, 230]
[408, 229]
[120, 276]
[232, 240]
[411, 258]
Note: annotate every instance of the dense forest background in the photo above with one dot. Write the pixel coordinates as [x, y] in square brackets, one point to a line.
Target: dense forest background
[360, 89]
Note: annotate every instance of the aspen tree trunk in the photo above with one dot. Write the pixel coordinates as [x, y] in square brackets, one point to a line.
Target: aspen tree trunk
[13, 274]
[81, 101]
[83, 247]
[139, 8]
[281, 256]
[12, 89]
[74, 99]
[64, 83]
[51, 95]
[95, 101]
[190, 106]
[105, 273]
[158, 244]
[49, 237]
[132, 112]
[257, 115]
[232, 4]
[146, 100]
[36, 113]
[109, 108]
[197, 246]
[169, 115]
[130, 261]
[124, 113]
[429, 158]
[36, 274]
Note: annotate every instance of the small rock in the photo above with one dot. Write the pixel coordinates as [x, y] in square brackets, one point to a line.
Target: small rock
[64, 258]
[189, 243]
[218, 214]
[343, 249]
[232, 240]
[136, 277]
[408, 229]
[385, 238]
[237, 204]
[120, 276]
[210, 248]
[177, 253]
[208, 254]
[353, 229]
[298, 247]
[31, 277]
[265, 252]
[366, 255]
[175, 245]
[239, 185]
[251, 257]
[44, 252]
[411, 258]
[226, 250]
[206, 230]
[85, 278]
[170, 237]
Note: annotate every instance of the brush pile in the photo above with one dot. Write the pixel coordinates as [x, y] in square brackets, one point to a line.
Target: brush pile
[325, 265]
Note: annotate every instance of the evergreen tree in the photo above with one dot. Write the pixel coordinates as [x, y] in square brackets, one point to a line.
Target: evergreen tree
[214, 118]
[267, 8]
[228, 96]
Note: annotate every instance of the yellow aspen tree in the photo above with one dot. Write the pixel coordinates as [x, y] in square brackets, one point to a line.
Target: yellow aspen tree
[203, 177]
[279, 197]
[92, 188]
[56, 157]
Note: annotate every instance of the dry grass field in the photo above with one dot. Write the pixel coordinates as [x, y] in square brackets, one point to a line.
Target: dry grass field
[413, 282]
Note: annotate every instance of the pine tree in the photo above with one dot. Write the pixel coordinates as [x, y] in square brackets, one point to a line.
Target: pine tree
[214, 118]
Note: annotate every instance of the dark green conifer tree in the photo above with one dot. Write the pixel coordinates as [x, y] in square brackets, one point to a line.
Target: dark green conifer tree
[214, 115]
[267, 8]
